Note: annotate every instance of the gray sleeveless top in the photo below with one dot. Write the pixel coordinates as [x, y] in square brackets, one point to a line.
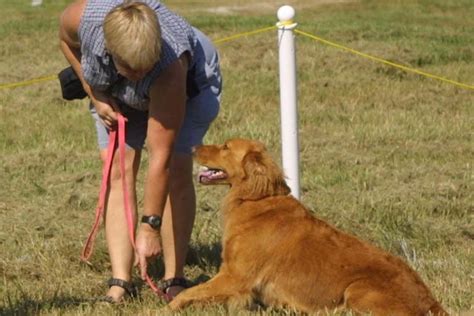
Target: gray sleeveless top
[97, 65]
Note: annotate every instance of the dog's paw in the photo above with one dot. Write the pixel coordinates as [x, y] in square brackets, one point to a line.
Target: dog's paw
[175, 304]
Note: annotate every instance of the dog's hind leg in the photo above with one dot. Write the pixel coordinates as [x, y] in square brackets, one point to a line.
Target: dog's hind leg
[366, 297]
[223, 288]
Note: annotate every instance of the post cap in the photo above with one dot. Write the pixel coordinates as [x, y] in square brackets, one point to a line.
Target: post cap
[286, 14]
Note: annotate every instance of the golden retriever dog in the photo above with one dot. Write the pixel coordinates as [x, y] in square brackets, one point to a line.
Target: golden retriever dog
[276, 252]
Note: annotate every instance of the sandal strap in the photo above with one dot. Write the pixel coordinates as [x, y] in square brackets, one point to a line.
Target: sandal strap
[127, 286]
[166, 284]
[107, 299]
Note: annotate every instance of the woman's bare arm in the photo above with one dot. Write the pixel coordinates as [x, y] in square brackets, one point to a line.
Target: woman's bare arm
[166, 113]
[69, 39]
[70, 46]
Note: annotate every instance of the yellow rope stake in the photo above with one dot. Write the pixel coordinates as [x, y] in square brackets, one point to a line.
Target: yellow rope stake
[422, 73]
[27, 82]
[236, 36]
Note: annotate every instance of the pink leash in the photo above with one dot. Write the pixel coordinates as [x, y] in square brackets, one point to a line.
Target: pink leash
[129, 212]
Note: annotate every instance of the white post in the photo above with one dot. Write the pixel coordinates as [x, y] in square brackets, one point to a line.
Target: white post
[288, 98]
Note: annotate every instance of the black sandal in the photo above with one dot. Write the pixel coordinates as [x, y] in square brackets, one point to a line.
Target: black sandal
[165, 285]
[130, 290]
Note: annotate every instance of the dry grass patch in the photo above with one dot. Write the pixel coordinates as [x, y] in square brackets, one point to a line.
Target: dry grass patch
[385, 155]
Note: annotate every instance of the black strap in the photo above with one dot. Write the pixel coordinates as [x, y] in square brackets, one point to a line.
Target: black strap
[166, 284]
[127, 286]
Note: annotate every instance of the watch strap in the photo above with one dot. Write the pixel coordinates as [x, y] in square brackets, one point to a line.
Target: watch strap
[154, 221]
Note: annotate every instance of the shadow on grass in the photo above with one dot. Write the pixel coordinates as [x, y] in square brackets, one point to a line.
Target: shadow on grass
[28, 306]
[205, 256]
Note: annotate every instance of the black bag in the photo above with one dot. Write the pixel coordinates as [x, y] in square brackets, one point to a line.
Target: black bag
[72, 89]
[71, 86]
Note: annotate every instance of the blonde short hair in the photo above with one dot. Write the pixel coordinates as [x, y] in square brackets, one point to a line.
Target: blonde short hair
[132, 35]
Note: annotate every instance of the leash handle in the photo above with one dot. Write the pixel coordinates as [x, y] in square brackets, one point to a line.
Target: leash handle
[129, 209]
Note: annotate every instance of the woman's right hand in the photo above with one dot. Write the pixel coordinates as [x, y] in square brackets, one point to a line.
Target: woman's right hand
[107, 111]
[148, 246]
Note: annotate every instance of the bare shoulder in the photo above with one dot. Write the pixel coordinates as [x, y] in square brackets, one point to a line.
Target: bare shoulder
[172, 78]
[69, 22]
[174, 72]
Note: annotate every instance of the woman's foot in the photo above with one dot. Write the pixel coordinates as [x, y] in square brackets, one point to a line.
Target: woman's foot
[172, 287]
[173, 291]
[116, 294]
[119, 290]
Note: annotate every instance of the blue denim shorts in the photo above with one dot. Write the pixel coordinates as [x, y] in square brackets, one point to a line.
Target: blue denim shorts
[201, 110]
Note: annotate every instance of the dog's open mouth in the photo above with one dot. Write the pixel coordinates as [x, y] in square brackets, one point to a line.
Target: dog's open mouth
[208, 175]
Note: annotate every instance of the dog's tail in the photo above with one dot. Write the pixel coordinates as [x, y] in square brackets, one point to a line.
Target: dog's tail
[437, 310]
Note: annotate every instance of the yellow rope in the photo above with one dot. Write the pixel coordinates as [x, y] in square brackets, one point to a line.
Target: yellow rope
[52, 77]
[409, 69]
[236, 36]
[265, 29]
[27, 82]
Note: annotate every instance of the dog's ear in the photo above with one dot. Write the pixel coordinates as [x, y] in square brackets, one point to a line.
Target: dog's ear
[262, 177]
[253, 164]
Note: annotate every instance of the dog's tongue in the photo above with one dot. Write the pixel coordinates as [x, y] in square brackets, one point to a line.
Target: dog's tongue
[204, 175]
[207, 175]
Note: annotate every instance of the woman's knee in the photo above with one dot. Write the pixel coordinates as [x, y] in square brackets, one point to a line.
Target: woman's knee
[181, 172]
[132, 162]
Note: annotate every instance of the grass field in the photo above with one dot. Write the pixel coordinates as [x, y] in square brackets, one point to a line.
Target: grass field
[385, 155]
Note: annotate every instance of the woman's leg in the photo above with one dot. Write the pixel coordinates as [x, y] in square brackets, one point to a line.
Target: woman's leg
[178, 217]
[116, 230]
[180, 209]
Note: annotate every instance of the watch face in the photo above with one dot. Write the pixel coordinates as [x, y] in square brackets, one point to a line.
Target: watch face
[155, 221]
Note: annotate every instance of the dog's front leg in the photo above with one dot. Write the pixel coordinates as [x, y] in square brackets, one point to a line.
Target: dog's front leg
[223, 288]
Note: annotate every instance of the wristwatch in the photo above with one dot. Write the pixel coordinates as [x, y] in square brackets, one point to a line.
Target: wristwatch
[153, 221]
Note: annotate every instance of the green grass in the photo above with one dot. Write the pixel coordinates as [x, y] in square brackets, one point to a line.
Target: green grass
[385, 155]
